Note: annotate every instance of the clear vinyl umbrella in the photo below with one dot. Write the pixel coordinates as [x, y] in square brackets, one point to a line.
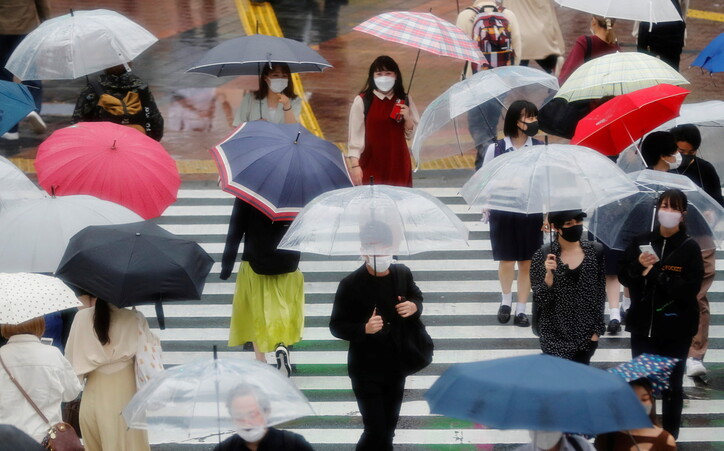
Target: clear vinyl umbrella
[416, 221]
[444, 126]
[642, 10]
[78, 44]
[15, 185]
[545, 178]
[618, 222]
[189, 402]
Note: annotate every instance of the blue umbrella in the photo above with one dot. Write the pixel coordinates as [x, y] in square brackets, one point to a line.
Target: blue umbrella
[15, 103]
[537, 392]
[712, 57]
[657, 369]
[278, 168]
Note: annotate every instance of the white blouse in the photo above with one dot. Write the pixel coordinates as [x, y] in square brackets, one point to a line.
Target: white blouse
[252, 109]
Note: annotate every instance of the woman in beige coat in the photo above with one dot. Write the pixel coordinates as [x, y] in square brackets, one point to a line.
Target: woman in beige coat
[541, 34]
[101, 348]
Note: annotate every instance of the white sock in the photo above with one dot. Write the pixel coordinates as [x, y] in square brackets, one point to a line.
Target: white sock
[507, 299]
[625, 303]
[615, 314]
[519, 308]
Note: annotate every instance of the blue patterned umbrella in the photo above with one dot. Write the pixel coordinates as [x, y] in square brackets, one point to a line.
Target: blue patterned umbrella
[657, 369]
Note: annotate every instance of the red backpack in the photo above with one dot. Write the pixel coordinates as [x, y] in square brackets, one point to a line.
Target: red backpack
[491, 30]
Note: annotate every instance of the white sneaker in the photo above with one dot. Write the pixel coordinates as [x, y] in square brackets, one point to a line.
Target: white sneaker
[283, 362]
[36, 122]
[695, 367]
[11, 136]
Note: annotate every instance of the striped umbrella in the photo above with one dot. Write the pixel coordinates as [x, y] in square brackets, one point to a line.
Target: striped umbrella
[618, 73]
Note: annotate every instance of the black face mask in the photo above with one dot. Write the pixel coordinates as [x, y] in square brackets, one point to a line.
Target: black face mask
[686, 160]
[532, 128]
[572, 233]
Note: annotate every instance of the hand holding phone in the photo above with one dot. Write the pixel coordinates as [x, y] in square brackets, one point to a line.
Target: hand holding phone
[648, 255]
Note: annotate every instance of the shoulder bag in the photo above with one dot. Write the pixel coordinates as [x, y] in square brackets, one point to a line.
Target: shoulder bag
[416, 347]
[148, 359]
[60, 436]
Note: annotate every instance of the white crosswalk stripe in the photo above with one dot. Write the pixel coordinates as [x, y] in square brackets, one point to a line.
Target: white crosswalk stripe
[461, 292]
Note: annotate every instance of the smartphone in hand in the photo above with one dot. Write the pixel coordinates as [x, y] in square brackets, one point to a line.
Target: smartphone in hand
[649, 249]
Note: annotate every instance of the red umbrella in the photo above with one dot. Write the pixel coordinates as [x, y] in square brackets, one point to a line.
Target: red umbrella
[618, 123]
[112, 162]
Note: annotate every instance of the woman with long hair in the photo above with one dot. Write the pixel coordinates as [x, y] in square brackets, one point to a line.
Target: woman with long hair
[101, 348]
[381, 120]
[663, 269]
[601, 41]
[275, 100]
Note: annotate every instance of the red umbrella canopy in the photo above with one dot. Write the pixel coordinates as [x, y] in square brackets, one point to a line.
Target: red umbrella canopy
[618, 123]
[112, 162]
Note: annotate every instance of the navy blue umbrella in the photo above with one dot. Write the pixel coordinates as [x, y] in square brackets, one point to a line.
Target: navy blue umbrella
[16, 102]
[537, 392]
[278, 168]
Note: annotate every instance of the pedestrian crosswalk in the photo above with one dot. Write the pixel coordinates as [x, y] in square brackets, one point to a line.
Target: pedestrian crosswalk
[461, 300]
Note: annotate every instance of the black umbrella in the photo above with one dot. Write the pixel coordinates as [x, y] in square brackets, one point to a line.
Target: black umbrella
[135, 263]
[13, 439]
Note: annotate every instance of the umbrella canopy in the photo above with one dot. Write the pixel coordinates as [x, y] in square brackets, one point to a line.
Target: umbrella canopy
[278, 168]
[443, 127]
[13, 438]
[78, 44]
[247, 55]
[653, 11]
[36, 231]
[617, 73]
[562, 396]
[190, 400]
[657, 369]
[546, 178]
[423, 31]
[375, 220]
[134, 263]
[712, 57]
[112, 162]
[24, 296]
[16, 102]
[15, 185]
[618, 123]
[618, 222]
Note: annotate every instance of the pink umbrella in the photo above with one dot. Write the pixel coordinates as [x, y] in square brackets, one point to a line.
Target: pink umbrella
[112, 162]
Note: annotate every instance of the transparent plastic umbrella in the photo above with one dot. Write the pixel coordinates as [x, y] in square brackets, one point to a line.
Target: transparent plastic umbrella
[392, 220]
[618, 222]
[642, 10]
[190, 401]
[15, 185]
[78, 44]
[483, 98]
[545, 178]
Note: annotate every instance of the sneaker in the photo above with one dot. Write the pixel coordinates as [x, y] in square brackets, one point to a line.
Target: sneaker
[521, 319]
[36, 122]
[283, 362]
[695, 367]
[614, 326]
[504, 314]
[11, 136]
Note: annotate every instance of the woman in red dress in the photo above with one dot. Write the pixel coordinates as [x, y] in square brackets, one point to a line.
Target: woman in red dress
[381, 120]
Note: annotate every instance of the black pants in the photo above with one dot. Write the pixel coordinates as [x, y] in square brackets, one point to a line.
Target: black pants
[665, 40]
[673, 399]
[548, 64]
[379, 403]
[584, 356]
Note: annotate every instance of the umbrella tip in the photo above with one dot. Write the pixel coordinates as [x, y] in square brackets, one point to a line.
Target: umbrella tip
[138, 233]
[52, 191]
[546, 139]
[216, 355]
[113, 147]
[372, 179]
[296, 140]
[71, 12]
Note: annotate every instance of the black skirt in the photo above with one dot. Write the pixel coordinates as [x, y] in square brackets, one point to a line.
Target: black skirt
[515, 236]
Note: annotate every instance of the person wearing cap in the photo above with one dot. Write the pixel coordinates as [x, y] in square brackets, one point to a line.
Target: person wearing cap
[569, 290]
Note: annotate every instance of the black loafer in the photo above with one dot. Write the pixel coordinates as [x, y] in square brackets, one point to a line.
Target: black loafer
[504, 314]
[521, 320]
[614, 326]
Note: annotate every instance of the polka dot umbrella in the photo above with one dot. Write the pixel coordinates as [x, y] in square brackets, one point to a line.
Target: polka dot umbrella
[24, 296]
[657, 369]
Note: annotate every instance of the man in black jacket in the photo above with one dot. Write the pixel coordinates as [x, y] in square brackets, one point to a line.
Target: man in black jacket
[701, 172]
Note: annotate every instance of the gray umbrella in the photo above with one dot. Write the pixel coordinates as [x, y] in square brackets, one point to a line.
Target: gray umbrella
[246, 56]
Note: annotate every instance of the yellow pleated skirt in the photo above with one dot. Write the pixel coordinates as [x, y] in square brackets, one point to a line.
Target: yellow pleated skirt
[267, 310]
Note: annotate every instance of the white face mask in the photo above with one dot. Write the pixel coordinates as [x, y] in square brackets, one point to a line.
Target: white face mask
[647, 408]
[545, 439]
[676, 163]
[278, 85]
[384, 83]
[380, 263]
[669, 219]
[252, 435]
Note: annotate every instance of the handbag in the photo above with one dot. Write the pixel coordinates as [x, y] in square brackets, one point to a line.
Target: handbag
[148, 359]
[71, 414]
[416, 345]
[61, 436]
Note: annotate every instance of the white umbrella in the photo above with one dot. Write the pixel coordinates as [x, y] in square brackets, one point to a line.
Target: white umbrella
[25, 296]
[77, 44]
[415, 221]
[36, 232]
[653, 11]
[15, 185]
[617, 73]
